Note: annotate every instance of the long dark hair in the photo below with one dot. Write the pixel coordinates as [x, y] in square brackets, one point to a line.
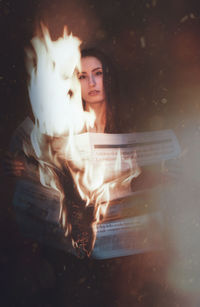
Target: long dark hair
[111, 88]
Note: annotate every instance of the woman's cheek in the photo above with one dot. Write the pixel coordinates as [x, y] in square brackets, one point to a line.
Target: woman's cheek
[100, 81]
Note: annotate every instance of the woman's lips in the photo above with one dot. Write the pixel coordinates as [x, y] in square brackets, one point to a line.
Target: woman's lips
[93, 93]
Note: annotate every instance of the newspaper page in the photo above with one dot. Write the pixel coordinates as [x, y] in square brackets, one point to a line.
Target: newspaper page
[150, 147]
[127, 228]
[129, 236]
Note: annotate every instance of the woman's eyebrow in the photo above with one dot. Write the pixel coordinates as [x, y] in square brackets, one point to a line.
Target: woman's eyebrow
[84, 72]
[97, 68]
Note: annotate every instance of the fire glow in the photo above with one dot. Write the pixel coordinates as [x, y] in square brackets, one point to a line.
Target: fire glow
[55, 97]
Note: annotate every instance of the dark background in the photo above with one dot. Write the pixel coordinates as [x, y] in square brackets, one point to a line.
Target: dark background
[156, 49]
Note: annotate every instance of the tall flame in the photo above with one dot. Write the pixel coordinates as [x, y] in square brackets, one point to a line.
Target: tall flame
[55, 97]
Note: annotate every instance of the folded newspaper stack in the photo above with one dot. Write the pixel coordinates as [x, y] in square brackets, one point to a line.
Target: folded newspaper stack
[134, 222]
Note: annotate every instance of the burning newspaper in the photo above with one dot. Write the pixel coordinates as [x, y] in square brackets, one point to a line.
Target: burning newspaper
[133, 222]
[83, 172]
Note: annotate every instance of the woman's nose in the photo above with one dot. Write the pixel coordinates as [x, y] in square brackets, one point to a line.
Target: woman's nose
[92, 81]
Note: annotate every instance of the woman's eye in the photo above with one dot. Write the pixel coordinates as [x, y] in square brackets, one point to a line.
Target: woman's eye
[81, 77]
[99, 73]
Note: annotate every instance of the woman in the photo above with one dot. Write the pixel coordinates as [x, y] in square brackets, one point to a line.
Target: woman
[100, 93]
[100, 90]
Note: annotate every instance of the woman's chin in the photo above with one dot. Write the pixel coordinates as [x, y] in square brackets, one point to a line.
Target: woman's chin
[94, 101]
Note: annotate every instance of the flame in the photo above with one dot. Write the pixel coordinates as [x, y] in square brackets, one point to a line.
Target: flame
[55, 97]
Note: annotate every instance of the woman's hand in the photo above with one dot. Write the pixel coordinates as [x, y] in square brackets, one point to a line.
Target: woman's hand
[13, 165]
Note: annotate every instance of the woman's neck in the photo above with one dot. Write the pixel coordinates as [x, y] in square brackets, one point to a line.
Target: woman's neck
[99, 110]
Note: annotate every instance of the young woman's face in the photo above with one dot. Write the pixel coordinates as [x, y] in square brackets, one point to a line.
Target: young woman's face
[91, 78]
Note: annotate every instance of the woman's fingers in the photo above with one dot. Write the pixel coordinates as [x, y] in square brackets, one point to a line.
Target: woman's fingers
[12, 166]
[17, 164]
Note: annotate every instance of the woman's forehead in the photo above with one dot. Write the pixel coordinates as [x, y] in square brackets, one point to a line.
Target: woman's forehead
[89, 63]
